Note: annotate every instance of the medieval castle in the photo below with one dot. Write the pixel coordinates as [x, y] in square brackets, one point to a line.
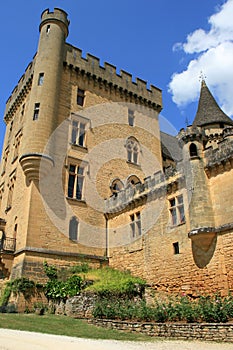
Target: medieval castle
[87, 175]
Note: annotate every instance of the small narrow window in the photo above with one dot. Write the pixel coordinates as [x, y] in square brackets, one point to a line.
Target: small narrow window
[11, 185]
[36, 111]
[5, 159]
[80, 97]
[41, 79]
[47, 29]
[221, 125]
[16, 146]
[131, 117]
[1, 191]
[176, 248]
[15, 231]
[11, 128]
[73, 229]
[23, 109]
[193, 150]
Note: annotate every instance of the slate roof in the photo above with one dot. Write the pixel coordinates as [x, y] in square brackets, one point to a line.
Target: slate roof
[208, 111]
[170, 147]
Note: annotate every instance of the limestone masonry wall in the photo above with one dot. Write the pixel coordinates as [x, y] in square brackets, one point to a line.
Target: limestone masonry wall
[217, 332]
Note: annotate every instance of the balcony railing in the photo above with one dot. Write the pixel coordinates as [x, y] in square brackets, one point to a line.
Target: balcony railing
[157, 183]
[7, 244]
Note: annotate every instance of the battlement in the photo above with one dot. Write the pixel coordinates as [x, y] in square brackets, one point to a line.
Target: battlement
[19, 92]
[90, 65]
[58, 16]
[220, 155]
[191, 133]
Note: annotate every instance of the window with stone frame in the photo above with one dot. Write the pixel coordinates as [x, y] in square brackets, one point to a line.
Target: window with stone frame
[10, 129]
[16, 145]
[75, 181]
[176, 209]
[4, 160]
[1, 190]
[22, 112]
[36, 111]
[11, 185]
[133, 149]
[78, 130]
[135, 225]
[80, 97]
[41, 79]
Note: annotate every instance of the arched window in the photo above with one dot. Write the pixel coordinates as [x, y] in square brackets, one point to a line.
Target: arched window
[116, 186]
[73, 228]
[193, 150]
[133, 148]
[133, 180]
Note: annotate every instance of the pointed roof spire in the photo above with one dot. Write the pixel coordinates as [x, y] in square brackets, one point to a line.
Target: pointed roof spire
[208, 111]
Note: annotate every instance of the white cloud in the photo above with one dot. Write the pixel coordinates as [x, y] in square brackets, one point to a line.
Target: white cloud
[214, 56]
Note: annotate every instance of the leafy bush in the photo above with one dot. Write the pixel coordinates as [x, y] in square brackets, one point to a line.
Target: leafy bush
[205, 309]
[61, 290]
[51, 271]
[84, 267]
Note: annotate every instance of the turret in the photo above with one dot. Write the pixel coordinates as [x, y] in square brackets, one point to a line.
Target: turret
[41, 118]
[194, 140]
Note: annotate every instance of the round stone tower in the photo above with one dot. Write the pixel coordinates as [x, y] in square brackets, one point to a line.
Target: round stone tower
[41, 118]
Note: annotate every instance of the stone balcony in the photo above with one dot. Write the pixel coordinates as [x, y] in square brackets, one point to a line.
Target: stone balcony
[154, 186]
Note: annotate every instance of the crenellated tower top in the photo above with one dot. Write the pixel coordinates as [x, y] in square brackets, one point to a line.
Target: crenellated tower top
[58, 16]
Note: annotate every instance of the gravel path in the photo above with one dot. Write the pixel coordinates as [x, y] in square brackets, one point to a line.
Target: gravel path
[19, 340]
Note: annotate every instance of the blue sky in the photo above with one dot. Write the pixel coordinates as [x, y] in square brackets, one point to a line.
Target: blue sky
[164, 42]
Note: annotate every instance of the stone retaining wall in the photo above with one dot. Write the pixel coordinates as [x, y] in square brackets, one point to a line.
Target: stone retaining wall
[188, 331]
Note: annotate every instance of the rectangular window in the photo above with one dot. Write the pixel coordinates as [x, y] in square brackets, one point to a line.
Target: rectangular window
[80, 97]
[177, 210]
[36, 111]
[4, 162]
[22, 110]
[1, 191]
[75, 181]
[11, 185]
[41, 79]
[131, 117]
[78, 133]
[10, 129]
[176, 248]
[47, 29]
[135, 225]
[16, 145]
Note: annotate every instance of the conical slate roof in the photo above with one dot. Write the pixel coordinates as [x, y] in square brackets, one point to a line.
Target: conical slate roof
[208, 111]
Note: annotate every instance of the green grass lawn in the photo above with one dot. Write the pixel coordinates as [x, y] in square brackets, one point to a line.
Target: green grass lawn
[62, 325]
